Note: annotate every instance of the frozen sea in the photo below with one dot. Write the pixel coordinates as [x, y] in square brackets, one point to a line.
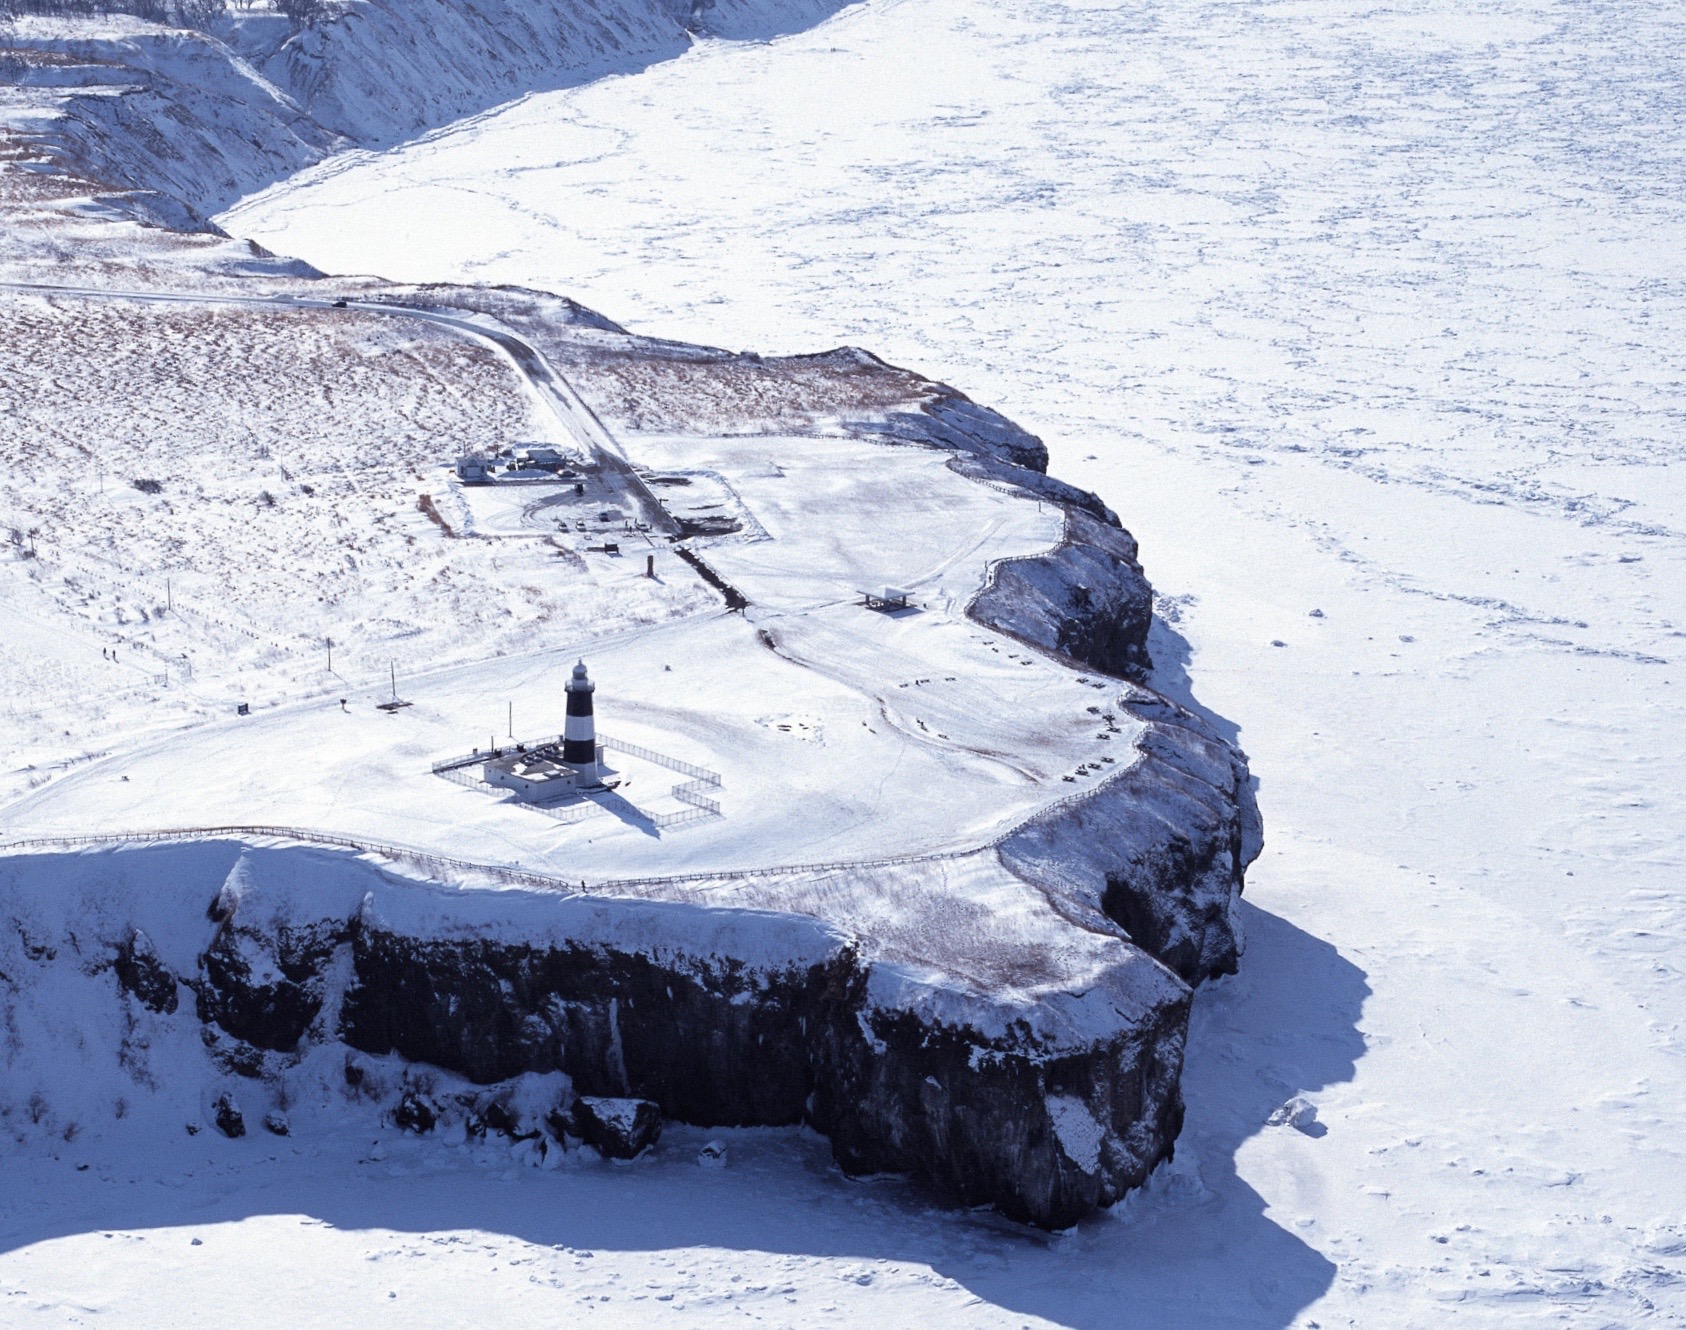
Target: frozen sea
[1371, 323]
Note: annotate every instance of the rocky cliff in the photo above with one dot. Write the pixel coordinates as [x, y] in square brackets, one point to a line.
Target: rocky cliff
[1028, 1060]
[1042, 1102]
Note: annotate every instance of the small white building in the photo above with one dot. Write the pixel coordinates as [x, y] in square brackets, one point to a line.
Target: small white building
[537, 774]
[472, 470]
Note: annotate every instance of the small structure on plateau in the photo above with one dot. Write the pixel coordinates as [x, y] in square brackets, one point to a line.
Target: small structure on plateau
[540, 459]
[893, 599]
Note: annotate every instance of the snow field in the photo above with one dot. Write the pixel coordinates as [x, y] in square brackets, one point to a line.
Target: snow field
[290, 451]
[886, 751]
[396, 1232]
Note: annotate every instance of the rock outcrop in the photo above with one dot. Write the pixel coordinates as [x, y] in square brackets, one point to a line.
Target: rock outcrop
[1044, 1112]
[140, 972]
[230, 1121]
[988, 447]
[262, 980]
[1162, 850]
[617, 1128]
[1085, 600]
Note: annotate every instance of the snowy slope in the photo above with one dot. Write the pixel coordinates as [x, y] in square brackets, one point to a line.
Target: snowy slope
[190, 121]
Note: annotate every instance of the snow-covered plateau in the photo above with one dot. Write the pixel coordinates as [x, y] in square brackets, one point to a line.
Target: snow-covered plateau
[1365, 321]
[950, 785]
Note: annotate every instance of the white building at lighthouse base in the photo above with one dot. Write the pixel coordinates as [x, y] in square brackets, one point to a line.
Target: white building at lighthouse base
[537, 774]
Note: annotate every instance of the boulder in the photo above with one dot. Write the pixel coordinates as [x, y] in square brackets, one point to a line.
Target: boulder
[524, 1108]
[417, 1111]
[618, 1128]
[225, 1112]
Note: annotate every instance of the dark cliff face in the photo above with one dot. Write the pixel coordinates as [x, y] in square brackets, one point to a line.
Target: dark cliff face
[710, 1042]
[983, 1112]
[982, 1119]
[1086, 599]
[1177, 898]
[266, 986]
[141, 973]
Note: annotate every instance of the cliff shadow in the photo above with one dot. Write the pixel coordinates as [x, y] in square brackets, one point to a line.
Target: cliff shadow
[1193, 1248]
[1172, 655]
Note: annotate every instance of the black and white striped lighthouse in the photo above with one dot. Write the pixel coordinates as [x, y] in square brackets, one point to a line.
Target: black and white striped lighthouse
[579, 731]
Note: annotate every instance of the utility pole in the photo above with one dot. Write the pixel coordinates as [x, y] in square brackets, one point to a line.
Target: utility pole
[392, 669]
[169, 599]
[330, 642]
[512, 720]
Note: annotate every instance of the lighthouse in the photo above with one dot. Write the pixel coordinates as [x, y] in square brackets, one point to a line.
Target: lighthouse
[579, 733]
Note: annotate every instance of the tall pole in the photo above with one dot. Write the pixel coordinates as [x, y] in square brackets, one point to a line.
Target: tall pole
[330, 642]
[392, 666]
[512, 720]
[169, 598]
